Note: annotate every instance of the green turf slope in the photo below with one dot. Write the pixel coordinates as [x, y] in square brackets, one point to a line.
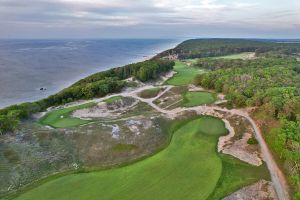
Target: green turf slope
[198, 98]
[185, 74]
[189, 168]
[61, 118]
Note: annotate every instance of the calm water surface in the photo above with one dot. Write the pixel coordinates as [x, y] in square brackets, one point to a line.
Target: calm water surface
[28, 65]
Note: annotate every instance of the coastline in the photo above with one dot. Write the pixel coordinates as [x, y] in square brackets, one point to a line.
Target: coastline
[122, 73]
[17, 95]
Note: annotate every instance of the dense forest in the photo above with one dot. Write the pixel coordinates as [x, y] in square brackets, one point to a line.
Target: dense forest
[271, 84]
[199, 48]
[96, 85]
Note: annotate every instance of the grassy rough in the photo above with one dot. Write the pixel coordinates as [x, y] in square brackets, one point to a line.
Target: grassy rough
[124, 147]
[185, 75]
[150, 93]
[113, 99]
[61, 118]
[198, 98]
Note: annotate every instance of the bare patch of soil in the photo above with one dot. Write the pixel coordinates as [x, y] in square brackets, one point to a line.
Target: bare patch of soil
[193, 88]
[171, 99]
[236, 142]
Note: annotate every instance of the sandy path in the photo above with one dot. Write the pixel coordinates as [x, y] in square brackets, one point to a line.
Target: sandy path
[277, 177]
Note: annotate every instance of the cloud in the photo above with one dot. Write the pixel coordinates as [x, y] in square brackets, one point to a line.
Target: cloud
[84, 15]
[137, 11]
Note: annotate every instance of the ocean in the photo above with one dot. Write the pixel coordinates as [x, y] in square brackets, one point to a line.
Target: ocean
[26, 66]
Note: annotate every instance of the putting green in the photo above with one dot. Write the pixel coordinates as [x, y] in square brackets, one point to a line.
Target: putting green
[198, 98]
[61, 118]
[237, 174]
[189, 168]
[185, 74]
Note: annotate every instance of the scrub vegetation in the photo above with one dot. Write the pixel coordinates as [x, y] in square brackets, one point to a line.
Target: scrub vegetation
[124, 147]
[35, 151]
[150, 93]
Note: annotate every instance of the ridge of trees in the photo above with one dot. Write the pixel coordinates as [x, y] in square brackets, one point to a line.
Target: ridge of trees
[96, 85]
[269, 82]
[200, 48]
[273, 85]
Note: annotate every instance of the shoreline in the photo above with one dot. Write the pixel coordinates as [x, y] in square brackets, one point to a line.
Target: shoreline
[278, 178]
[35, 94]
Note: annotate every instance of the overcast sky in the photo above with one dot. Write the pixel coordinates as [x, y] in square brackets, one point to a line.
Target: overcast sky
[149, 18]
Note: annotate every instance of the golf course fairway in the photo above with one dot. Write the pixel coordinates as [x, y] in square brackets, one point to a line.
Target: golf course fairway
[61, 118]
[198, 98]
[189, 168]
[184, 74]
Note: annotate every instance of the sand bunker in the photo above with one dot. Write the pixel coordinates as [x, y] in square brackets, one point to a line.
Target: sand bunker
[194, 88]
[109, 110]
[239, 148]
[262, 190]
[242, 150]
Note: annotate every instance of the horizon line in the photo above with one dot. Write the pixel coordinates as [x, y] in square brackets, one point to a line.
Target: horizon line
[143, 38]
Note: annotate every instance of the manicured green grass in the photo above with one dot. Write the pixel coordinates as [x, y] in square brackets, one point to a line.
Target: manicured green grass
[185, 74]
[243, 56]
[113, 99]
[150, 93]
[189, 168]
[61, 118]
[237, 174]
[198, 98]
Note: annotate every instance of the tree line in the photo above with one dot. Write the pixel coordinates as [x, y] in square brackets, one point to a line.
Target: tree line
[200, 48]
[272, 84]
[269, 82]
[96, 85]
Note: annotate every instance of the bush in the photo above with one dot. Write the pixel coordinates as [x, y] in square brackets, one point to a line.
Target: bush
[252, 140]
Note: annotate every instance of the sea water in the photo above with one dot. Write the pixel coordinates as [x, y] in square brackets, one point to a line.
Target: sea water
[34, 69]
